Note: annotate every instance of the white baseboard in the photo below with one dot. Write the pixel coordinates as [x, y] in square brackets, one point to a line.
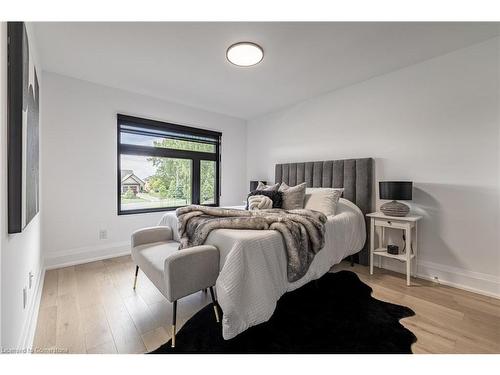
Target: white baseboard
[476, 282]
[29, 328]
[86, 254]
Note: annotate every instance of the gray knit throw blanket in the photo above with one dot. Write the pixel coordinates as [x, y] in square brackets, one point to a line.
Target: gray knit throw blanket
[302, 230]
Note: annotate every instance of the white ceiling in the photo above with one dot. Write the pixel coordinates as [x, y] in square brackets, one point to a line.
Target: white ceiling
[185, 62]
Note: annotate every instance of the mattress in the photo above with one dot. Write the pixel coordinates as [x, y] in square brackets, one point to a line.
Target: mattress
[253, 272]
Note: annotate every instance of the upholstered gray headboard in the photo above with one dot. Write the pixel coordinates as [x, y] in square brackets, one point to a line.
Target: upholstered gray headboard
[354, 175]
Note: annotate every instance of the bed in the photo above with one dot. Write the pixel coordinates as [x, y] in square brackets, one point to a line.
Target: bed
[253, 273]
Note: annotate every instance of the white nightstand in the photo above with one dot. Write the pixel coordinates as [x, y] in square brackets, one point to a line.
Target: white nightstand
[408, 224]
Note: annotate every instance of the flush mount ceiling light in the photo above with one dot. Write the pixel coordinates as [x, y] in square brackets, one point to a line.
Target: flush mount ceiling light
[244, 54]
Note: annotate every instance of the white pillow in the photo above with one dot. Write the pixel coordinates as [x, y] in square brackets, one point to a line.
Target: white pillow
[259, 202]
[322, 199]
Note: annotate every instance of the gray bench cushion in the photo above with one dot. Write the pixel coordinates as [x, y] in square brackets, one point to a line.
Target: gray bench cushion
[151, 260]
[178, 273]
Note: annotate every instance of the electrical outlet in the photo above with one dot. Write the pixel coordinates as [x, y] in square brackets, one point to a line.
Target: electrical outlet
[30, 279]
[25, 297]
[103, 234]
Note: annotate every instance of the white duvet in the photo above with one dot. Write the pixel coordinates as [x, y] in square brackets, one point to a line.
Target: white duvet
[253, 265]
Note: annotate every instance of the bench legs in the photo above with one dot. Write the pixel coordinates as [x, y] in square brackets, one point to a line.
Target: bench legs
[214, 302]
[174, 318]
[135, 278]
[174, 314]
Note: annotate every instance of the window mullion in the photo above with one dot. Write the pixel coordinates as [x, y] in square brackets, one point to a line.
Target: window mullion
[195, 182]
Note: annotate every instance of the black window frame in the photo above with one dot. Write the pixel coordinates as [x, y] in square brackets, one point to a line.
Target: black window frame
[195, 156]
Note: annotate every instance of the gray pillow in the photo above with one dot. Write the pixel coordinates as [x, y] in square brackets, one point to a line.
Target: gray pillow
[293, 196]
[262, 186]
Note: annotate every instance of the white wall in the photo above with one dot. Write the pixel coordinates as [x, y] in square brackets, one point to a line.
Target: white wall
[20, 253]
[79, 165]
[436, 123]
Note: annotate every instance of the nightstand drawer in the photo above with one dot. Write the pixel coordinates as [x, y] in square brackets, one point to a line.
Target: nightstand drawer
[388, 223]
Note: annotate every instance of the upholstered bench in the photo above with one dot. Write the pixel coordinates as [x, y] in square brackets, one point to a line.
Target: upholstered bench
[176, 273]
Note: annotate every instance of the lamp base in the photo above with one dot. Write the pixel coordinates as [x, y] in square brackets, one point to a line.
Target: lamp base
[395, 208]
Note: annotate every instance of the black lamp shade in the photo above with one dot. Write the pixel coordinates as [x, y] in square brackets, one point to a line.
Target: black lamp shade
[254, 184]
[395, 190]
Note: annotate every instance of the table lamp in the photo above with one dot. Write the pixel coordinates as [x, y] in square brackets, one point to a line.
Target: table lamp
[395, 191]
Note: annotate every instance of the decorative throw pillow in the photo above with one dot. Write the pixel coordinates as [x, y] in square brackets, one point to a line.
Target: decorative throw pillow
[262, 186]
[322, 199]
[293, 196]
[313, 190]
[275, 196]
[259, 202]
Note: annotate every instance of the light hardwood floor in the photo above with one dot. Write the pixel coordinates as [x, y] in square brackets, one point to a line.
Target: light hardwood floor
[92, 308]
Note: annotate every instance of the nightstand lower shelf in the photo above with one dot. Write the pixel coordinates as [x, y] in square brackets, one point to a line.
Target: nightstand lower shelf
[382, 251]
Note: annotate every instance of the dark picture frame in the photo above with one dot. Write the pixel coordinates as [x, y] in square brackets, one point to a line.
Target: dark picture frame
[23, 104]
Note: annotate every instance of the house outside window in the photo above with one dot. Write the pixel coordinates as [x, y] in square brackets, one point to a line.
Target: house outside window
[131, 182]
[163, 166]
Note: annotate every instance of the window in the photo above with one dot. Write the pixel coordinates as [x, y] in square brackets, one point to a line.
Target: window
[164, 166]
